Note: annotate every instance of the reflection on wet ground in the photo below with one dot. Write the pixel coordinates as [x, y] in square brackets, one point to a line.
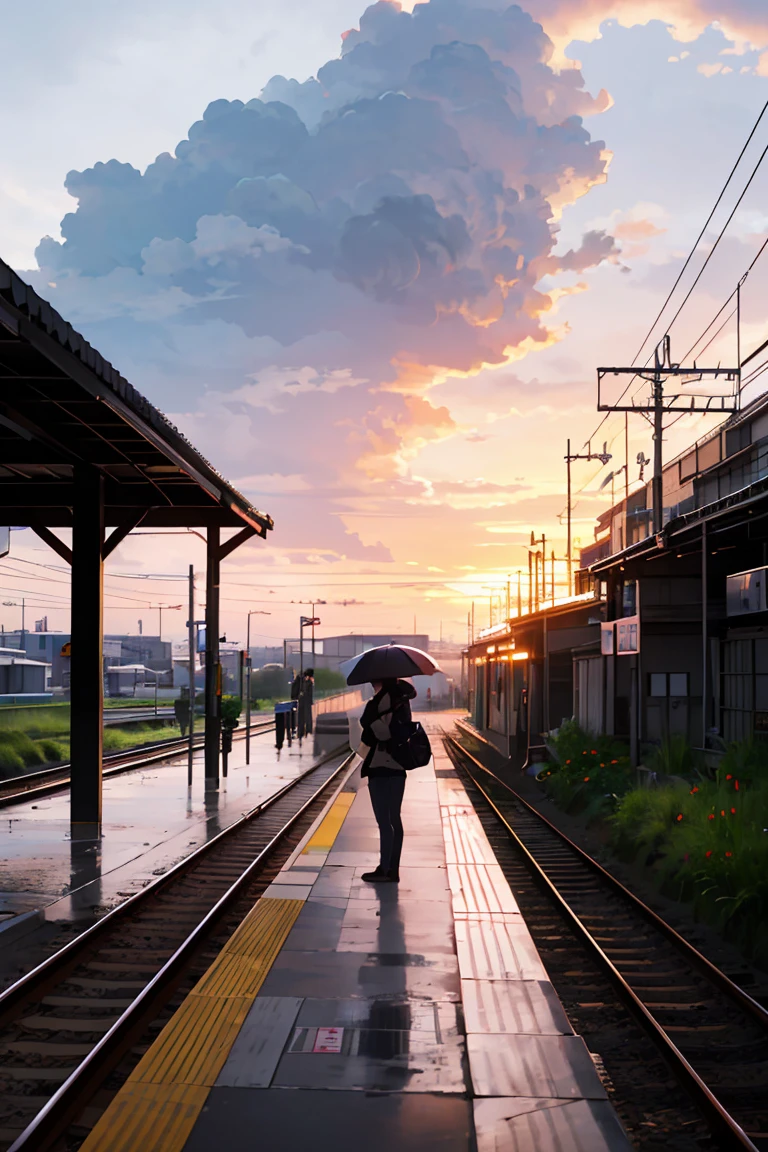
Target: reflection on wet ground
[151, 820]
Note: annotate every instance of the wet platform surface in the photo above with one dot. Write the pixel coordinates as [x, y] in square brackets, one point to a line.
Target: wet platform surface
[386, 1017]
[151, 820]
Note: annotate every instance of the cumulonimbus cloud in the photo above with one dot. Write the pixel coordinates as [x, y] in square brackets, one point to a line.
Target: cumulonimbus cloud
[347, 241]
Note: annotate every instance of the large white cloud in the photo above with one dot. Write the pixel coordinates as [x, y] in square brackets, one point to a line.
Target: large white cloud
[322, 256]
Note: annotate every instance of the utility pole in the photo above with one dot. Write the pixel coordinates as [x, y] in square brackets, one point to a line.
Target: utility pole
[603, 457]
[543, 542]
[191, 665]
[658, 403]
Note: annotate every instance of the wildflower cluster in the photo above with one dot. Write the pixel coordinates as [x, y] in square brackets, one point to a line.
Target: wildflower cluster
[589, 771]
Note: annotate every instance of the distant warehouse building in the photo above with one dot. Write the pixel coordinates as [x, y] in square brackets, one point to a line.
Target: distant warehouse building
[23, 681]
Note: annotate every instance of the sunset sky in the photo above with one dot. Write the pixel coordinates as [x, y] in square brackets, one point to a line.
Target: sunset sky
[374, 281]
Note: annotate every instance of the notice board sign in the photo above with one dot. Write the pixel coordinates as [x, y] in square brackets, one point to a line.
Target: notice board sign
[628, 636]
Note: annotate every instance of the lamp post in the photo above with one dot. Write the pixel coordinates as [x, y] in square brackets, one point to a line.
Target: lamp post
[253, 612]
[304, 622]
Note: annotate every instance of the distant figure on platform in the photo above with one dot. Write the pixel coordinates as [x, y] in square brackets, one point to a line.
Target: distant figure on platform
[306, 701]
[181, 710]
[296, 685]
[389, 708]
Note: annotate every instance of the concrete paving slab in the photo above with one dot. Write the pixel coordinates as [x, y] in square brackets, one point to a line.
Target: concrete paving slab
[259, 1045]
[519, 1065]
[526, 1125]
[514, 1006]
[331, 1121]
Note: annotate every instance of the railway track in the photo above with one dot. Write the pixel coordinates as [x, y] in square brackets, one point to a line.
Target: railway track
[19, 788]
[710, 1033]
[84, 1017]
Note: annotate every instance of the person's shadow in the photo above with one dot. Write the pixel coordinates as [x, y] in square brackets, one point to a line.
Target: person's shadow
[385, 1036]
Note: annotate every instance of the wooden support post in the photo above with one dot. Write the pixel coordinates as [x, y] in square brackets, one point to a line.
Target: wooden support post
[212, 670]
[87, 680]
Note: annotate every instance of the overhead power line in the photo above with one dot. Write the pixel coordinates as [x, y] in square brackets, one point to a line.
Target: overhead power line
[700, 236]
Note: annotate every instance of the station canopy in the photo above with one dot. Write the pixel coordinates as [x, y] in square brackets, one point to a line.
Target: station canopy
[63, 406]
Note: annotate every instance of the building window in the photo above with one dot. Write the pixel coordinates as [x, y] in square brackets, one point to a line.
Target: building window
[668, 684]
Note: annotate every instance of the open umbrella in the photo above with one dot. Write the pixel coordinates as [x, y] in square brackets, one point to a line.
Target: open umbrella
[388, 663]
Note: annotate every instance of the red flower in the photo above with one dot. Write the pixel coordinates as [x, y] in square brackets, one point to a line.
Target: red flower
[708, 854]
[729, 777]
[586, 778]
[601, 764]
[694, 789]
[679, 817]
[710, 817]
[729, 853]
[733, 811]
[722, 811]
[736, 785]
[594, 753]
[614, 761]
[567, 761]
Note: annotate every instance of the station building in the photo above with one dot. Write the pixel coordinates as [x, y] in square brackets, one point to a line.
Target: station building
[666, 633]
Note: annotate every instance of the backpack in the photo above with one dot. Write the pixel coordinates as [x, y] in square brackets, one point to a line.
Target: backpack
[409, 743]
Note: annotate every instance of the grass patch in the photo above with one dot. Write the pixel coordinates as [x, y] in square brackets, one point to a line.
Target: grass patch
[705, 842]
[130, 702]
[18, 752]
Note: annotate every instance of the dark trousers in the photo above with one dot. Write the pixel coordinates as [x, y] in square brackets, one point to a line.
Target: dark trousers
[386, 799]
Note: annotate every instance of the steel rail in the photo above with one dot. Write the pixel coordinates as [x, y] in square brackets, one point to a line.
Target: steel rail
[692, 954]
[726, 1129]
[70, 1099]
[122, 762]
[22, 989]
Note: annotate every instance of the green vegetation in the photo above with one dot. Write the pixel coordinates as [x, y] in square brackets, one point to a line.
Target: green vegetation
[17, 752]
[702, 837]
[706, 843]
[134, 702]
[37, 720]
[327, 681]
[231, 707]
[589, 772]
[118, 739]
[34, 735]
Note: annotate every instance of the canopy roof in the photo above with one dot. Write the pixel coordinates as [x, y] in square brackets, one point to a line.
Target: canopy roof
[62, 404]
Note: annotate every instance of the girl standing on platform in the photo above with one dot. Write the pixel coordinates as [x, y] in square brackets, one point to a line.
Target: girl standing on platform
[386, 778]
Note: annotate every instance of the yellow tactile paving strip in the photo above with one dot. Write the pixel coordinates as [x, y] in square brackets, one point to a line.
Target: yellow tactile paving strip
[328, 829]
[157, 1107]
